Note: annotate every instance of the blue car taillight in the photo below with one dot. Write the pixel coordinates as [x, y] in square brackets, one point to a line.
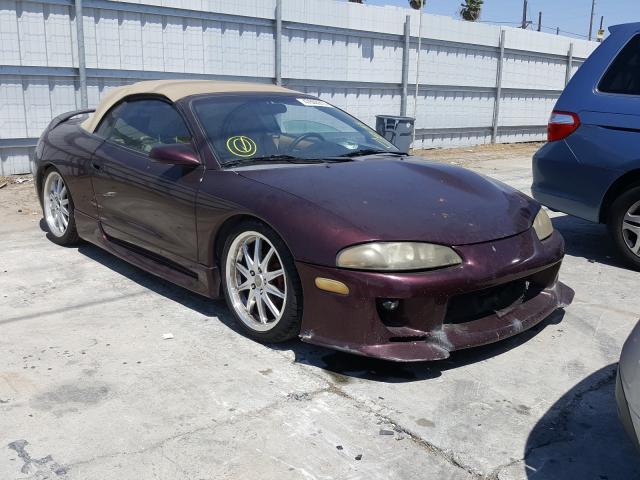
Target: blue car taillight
[561, 125]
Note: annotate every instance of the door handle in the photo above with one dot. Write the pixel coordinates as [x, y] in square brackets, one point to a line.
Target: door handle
[95, 165]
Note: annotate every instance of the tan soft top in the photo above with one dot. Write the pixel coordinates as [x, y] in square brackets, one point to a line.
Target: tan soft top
[174, 90]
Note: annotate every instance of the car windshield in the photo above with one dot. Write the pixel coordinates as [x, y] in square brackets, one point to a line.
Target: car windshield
[284, 128]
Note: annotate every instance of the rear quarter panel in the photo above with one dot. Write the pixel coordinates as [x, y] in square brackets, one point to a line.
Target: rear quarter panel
[603, 155]
[607, 144]
[69, 148]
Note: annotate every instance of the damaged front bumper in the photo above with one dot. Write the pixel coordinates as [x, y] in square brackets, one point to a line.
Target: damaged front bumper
[502, 288]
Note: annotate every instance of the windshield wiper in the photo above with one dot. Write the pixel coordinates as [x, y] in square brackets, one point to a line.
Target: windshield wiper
[277, 159]
[371, 151]
[259, 160]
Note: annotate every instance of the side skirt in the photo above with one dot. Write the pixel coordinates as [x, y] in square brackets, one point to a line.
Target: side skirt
[192, 276]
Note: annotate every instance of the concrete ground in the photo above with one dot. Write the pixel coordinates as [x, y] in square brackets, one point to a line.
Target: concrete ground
[89, 389]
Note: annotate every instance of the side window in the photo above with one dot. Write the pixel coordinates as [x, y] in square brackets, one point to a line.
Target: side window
[623, 76]
[143, 124]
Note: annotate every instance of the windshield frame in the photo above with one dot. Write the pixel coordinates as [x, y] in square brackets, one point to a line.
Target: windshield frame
[193, 100]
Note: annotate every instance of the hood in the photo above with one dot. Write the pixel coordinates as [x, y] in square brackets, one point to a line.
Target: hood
[411, 200]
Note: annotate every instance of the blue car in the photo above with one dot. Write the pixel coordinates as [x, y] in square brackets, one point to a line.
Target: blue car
[590, 166]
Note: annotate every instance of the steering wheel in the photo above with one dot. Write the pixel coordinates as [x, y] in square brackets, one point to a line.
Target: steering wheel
[302, 137]
[147, 143]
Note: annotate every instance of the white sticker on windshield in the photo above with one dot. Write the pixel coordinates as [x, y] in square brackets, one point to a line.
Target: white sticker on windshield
[314, 102]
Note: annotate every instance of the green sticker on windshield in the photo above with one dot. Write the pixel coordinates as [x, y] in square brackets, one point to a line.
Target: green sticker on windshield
[242, 146]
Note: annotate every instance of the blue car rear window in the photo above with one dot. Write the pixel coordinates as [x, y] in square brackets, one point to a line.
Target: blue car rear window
[623, 75]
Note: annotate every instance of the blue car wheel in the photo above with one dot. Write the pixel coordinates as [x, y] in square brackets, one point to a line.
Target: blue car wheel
[624, 223]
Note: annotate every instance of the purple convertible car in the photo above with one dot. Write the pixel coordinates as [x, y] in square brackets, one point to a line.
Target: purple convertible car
[308, 222]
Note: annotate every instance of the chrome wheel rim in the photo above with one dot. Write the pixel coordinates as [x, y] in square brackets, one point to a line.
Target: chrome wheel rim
[256, 281]
[56, 204]
[631, 228]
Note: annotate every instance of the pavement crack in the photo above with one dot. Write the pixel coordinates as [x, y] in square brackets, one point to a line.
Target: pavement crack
[172, 461]
[496, 471]
[291, 397]
[448, 456]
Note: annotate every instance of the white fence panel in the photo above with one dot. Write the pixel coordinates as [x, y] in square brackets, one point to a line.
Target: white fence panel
[348, 54]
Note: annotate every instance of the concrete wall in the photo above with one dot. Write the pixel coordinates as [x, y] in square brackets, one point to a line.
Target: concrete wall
[348, 54]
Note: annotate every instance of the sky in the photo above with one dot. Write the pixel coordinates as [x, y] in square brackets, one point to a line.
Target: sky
[572, 16]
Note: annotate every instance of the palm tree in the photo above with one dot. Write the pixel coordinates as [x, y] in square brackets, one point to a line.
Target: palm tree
[470, 10]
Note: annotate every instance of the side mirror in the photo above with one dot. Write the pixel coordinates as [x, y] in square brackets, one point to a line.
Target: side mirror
[175, 154]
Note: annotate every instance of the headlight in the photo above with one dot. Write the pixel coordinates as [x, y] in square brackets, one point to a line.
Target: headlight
[542, 225]
[397, 256]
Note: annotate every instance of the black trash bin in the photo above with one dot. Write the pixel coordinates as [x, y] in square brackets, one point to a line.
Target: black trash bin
[398, 130]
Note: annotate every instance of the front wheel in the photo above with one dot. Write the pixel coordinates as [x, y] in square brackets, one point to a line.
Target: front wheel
[261, 283]
[58, 209]
[624, 224]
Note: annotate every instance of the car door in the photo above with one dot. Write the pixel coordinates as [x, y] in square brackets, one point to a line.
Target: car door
[142, 202]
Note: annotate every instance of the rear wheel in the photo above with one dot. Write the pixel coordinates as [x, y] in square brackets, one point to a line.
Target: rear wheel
[624, 224]
[58, 209]
[261, 284]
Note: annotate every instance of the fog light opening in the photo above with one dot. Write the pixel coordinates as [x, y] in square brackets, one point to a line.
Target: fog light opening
[391, 312]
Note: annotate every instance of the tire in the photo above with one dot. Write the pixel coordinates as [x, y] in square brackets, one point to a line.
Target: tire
[624, 225]
[57, 207]
[274, 302]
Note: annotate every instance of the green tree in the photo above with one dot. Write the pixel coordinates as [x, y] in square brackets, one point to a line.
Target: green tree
[470, 10]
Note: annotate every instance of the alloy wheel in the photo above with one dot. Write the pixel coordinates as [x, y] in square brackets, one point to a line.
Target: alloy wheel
[631, 228]
[56, 204]
[256, 281]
